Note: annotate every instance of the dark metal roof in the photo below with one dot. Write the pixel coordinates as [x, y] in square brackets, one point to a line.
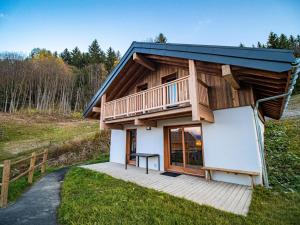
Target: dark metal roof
[274, 60]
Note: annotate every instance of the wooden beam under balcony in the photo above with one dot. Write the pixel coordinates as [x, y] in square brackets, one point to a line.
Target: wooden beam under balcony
[103, 126]
[206, 114]
[166, 114]
[115, 126]
[145, 123]
[143, 61]
[97, 109]
[228, 76]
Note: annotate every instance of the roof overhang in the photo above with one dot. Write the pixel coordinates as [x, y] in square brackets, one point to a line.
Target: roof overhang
[273, 60]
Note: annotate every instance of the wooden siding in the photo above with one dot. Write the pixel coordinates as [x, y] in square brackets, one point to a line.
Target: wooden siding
[221, 96]
[153, 78]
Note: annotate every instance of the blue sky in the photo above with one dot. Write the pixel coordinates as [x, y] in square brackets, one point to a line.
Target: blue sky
[56, 25]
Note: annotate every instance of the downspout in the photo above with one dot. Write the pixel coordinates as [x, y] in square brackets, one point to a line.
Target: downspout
[295, 72]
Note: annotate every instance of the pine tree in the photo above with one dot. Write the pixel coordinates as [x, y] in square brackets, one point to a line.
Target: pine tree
[283, 42]
[161, 38]
[66, 56]
[76, 58]
[272, 40]
[111, 59]
[96, 54]
[260, 45]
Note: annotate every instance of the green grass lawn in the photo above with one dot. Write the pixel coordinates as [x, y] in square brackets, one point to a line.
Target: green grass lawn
[90, 197]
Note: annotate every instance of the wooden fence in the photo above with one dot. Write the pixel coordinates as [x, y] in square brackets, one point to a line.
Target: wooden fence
[6, 172]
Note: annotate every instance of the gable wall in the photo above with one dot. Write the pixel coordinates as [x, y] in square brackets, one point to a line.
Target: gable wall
[220, 94]
[153, 78]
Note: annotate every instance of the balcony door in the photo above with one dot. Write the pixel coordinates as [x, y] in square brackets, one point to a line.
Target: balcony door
[184, 149]
[130, 145]
[171, 88]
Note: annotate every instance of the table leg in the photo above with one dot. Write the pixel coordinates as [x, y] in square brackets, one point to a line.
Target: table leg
[158, 163]
[138, 161]
[146, 165]
[125, 162]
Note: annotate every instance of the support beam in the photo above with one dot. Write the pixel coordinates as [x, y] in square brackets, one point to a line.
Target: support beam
[114, 126]
[143, 61]
[145, 123]
[97, 109]
[103, 126]
[193, 91]
[235, 97]
[228, 76]
[199, 111]
[206, 114]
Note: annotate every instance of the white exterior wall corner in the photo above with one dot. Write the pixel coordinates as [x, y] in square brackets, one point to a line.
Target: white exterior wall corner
[230, 142]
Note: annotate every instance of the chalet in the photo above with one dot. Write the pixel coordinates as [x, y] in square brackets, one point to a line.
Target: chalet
[194, 109]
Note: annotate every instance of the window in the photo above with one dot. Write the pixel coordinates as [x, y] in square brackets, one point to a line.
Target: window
[171, 89]
[169, 78]
[142, 87]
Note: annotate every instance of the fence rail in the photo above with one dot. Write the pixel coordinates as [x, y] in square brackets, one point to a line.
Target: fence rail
[6, 172]
[159, 97]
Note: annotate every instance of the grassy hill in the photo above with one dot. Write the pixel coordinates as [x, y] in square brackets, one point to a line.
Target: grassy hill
[21, 133]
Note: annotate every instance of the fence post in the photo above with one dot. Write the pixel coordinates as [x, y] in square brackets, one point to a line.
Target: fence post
[31, 167]
[5, 182]
[43, 167]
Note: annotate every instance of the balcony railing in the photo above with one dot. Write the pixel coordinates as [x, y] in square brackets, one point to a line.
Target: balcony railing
[161, 97]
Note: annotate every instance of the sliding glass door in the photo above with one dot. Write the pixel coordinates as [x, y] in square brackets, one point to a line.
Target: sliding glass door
[185, 149]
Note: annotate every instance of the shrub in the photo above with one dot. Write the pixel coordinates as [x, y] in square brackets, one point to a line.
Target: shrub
[283, 162]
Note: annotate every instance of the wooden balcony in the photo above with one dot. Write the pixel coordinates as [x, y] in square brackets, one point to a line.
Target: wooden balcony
[167, 97]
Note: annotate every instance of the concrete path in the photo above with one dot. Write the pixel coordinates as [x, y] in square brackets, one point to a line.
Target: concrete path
[38, 205]
[225, 196]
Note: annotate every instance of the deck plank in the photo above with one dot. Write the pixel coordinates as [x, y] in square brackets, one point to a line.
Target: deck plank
[224, 196]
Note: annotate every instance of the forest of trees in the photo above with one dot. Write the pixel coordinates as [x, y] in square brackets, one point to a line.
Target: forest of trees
[53, 82]
[280, 42]
[65, 82]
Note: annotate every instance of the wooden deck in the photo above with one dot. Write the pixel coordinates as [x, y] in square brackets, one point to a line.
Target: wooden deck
[224, 196]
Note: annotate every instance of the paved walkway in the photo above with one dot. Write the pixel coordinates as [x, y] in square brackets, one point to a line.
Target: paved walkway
[38, 205]
[225, 196]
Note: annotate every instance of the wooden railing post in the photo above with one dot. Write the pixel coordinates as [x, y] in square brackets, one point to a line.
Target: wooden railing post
[5, 183]
[31, 167]
[43, 167]
[164, 97]
[144, 102]
[115, 106]
[127, 106]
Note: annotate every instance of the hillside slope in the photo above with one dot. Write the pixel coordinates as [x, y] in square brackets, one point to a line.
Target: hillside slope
[23, 133]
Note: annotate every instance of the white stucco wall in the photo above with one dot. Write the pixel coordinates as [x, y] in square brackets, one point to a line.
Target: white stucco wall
[230, 143]
[118, 146]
